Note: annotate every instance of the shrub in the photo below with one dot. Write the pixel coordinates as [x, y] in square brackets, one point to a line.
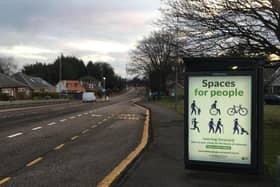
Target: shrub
[45, 95]
[4, 97]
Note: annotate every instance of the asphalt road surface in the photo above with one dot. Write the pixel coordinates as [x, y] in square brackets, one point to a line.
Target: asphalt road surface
[72, 144]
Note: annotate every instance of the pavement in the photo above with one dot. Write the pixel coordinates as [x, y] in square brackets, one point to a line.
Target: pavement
[162, 163]
[70, 144]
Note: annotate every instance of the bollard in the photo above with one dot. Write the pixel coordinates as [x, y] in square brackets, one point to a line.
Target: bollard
[278, 172]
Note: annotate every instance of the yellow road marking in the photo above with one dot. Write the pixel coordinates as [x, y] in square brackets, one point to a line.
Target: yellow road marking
[34, 161]
[59, 147]
[2, 181]
[111, 177]
[74, 138]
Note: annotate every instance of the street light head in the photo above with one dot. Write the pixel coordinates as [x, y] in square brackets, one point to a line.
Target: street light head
[104, 78]
[234, 67]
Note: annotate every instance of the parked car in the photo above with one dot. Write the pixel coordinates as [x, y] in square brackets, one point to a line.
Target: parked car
[272, 99]
[89, 97]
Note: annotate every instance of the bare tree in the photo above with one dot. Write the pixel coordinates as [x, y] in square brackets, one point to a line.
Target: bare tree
[215, 27]
[153, 57]
[7, 65]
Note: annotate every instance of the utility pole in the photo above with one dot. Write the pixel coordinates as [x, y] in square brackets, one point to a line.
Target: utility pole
[176, 82]
[60, 68]
[126, 77]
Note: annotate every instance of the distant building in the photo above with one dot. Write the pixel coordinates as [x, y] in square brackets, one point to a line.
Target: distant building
[36, 84]
[69, 86]
[90, 83]
[13, 88]
[272, 79]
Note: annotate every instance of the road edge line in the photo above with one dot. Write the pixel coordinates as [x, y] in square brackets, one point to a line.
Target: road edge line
[115, 174]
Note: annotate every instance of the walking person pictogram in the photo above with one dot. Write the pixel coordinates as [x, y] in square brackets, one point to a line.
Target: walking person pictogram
[214, 110]
[211, 125]
[194, 123]
[219, 127]
[236, 126]
[195, 109]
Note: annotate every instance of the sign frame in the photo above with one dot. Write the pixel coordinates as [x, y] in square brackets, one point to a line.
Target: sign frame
[223, 67]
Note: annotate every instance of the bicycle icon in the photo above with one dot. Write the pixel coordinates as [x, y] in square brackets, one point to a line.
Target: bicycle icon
[237, 109]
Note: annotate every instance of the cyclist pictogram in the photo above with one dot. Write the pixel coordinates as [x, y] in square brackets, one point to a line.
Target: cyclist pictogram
[237, 110]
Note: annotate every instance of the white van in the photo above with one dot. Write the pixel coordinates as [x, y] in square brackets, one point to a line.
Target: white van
[89, 97]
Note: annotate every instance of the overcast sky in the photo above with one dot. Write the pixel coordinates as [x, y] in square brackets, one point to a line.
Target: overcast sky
[97, 30]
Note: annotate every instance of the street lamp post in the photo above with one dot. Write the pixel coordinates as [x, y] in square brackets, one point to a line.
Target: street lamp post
[104, 85]
[177, 62]
[176, 82]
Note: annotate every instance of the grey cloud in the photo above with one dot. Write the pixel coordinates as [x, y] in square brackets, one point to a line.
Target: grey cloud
[49, 24]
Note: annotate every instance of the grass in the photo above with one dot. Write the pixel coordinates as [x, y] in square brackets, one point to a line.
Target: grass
[271, 131]
[271, 137]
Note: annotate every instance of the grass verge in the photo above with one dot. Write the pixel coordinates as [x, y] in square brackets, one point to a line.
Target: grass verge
[271, 131]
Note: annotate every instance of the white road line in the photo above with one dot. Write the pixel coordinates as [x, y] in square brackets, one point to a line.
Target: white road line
[95, 115]
[52, 123]
[79, 115]
[14, 135]
[62, 120]
[72, 117]
[85, 131]
[94, 126]
[36, 128]
[86, 113]
[99, 123]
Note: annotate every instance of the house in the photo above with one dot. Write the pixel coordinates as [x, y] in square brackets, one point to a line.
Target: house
[36, 84]
[90, 83]
[69, 86]
[13, 88]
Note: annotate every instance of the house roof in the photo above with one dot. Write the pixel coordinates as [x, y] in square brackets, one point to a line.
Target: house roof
[9, 82]
[32, 82]
[73, 85]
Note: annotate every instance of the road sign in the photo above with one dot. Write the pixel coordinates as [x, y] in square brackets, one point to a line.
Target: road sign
[223, 114]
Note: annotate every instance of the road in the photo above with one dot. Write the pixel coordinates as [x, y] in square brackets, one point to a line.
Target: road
[71, 144]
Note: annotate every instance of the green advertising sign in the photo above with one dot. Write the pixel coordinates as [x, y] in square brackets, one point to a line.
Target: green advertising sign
[220, 119]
